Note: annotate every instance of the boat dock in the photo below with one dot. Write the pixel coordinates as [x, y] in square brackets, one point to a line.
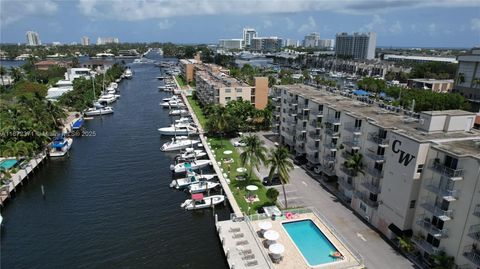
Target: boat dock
[17, 178]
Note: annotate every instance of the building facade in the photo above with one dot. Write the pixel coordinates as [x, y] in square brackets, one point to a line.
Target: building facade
[328, 44]
[418, 59]
[434, 85]
[107, 40]
[187, 69]
[467, 81]
[85, 41]
[248, 35]
[311, 40]
[419, 177]
[229, 44]
[214, 86]
[356, 45]
[33, 39]
[266, 44]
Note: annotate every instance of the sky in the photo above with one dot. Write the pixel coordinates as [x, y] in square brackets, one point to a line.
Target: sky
[398, 23]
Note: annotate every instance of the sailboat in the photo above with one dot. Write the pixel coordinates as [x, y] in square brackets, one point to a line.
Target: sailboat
[178, 143]
[97, 109]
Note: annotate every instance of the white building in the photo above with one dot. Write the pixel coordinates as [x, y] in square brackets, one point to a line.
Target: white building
[420, 175]
[356, 45]
[311, 40]
[234, 43]
[248, 35]
[33, 39]
[467, 81]
[107, 40]
[418, 59]
[290, 42]
[85, 41]
[266, 44]
[326, 44]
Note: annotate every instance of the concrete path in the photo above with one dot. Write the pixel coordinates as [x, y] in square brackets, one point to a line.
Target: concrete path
[303, 190]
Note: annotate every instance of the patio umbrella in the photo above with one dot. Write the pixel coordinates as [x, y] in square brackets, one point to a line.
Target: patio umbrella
[265, 225]
[241, 170]
[276, 248]
[271, 235]
[227, 152]
[252, 188]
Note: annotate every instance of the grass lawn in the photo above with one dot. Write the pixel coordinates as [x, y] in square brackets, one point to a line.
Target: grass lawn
[180, 81]
[198, 111]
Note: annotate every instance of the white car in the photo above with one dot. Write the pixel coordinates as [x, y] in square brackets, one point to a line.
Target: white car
[239, 144]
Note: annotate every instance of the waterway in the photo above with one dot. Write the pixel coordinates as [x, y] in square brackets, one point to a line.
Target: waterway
[108, 204]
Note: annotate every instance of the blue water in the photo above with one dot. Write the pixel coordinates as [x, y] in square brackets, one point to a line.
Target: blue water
[311, 242]
[7, 164]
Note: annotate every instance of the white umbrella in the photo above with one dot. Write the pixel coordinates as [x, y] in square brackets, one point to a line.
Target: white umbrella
[276, 248]
[265, 225]
[241, 170]
[227, 152]
[252, 188]
[271, 235]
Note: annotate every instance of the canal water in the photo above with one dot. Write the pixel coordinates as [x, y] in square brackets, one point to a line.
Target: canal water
[108, 204]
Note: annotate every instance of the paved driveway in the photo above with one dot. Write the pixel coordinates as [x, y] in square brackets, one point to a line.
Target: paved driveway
[303, 190]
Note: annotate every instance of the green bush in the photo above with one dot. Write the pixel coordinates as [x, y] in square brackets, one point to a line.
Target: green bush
[272, 194]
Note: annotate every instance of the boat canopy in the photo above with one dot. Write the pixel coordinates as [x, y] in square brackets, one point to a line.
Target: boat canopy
[59, 141]
[360, 92]
[197, 196]
[77, 124]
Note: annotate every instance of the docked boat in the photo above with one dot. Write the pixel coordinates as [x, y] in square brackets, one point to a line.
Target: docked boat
[128, 74]
[191, 178]
[189, 166]
[198, 201]
[191, 153]
[202, 186]
[173, 98]
[178, 112]
[98, 111]
[172, 104]
[60, 146]
[161, 77]
[78, 124]
[178, 129]
[178, 144]
[107, 98]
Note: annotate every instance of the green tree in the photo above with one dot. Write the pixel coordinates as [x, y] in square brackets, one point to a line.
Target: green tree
[253, 153]
[3, 72]
[272, 194]
[443, 261]
[280, 163]
[16, 74]
[355, 164]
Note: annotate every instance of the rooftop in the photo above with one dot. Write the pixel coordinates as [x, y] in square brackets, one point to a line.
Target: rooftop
[214, 76]
[462, 147]
[431, 80]
[374, 114]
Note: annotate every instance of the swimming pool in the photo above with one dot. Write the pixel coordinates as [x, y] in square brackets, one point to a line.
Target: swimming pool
[311, 242]
[7, 164]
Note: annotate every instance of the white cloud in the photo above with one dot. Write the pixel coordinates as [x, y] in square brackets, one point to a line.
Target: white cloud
[475, 24]
[308, 26]
[395, 28]
[144, 9]
[290, 24]
[13, 11]
[165, 24]
[267, 23]
[374, 25]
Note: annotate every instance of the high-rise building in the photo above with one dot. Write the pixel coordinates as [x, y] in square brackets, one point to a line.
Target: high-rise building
[467, 82]
[267, 44]
[420, 176]
[356, 45]
[311, 40]
[85, 41]
[248, 35]
[107, 40]
[326, 44]
[228, 44]
[289, 43]
[33, 39]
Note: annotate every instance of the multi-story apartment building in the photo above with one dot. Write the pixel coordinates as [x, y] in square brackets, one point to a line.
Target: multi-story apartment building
[85, 41]
[187, 67]
[33, 39]
[107, 40]
[267, 44]
[467, 81]
[214, 86]
[420, 175]
[228, 44]
[326, 44]
[434, 85]
[311, 40]
[356, 45]
[248, 35]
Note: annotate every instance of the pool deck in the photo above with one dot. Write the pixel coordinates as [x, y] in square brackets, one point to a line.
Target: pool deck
[17, 178]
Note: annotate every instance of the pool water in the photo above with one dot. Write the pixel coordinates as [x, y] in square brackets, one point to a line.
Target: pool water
[7, 164]
[311, 242]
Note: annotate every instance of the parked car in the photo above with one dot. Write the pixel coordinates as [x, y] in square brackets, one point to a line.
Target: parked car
[275, 180]
[239, 143]
[300, 160]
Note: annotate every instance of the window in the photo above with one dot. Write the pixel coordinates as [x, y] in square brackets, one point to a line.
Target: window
[239, 98]
[412, 203]
[373, 197]
[320, 108]
[337, 114]
[420, 168]
[253, 91]
[228, 90]
[358, 123]
[227, 99]
[363, 207]
[380, 151]
[239, 90]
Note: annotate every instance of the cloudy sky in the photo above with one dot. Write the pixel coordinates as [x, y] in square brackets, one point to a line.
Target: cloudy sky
[418, 23]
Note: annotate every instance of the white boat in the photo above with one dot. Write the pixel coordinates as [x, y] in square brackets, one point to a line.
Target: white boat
[189, 166]
[128, 74]
[161, 77]
[173, 98]
[191, 178]
[174, 104]
[202, 186]
[178, 129]
[60, 146]
[199, 202]
[178, 144]
[191, 153]
[178, 112]
[98, 111]
[107, 98]
[184, 120]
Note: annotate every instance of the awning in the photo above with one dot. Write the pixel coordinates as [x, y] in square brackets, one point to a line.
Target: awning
[197, 196]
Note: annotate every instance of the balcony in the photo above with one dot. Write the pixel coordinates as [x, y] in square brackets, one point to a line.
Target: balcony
[311, 146]
[351, 143]
[474, 232]
[328, 170]
[316, 124]
[333, 120]
[356, 130]
[423, 244]
[347, 171]
[312, 158]
[342, 181]
[329, 158]
[374, 172]
[332, 132]
[443, 191]
[450, 173]
[472, 253]
[365, 198]
[372, 154]
[476, 211]
[346, 154]
[301, 137]
[372, 185]
[330, 146]
[375, 138]
[426, 225]
[315, 135]
[302, 117]
[437, 211]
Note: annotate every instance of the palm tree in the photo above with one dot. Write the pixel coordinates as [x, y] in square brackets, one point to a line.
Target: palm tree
[280, 163]
[443, 261]
[16, 73]
[253, 153]
[3, 72]
[355, 164]
[18, 149]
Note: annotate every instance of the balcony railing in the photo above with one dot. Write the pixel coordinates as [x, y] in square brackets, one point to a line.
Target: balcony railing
[347, 171]
[430, 228]
[374, 172]
[357, 130]
[315, 135]
[423, 244]
[372, 186]
[312, 158]
[374, 137]
[364, 197]
[472, 253]
[316, 124]
[372, 154]
[329, 158]
[454, 174]
[342, 181]
[332, 132]
[443, 191]
[476, 211]
[330, 146]
[353, 144]
[474, 232]
[333, 120]
[437, 211]
[346, 154]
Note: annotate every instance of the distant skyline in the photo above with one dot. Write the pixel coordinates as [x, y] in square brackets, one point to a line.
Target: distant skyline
[397, 23]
